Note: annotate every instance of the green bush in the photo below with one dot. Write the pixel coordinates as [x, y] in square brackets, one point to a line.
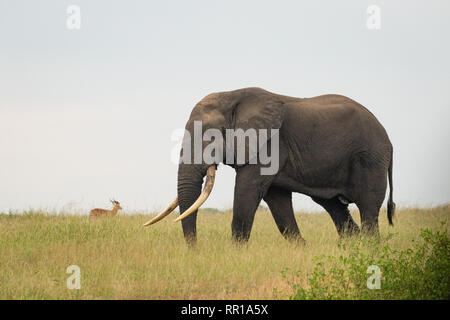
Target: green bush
[420, 273]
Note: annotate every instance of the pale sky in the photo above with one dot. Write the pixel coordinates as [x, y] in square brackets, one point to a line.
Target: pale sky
[87, 115]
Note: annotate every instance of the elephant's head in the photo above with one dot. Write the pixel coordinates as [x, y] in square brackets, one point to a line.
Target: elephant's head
[219, 117]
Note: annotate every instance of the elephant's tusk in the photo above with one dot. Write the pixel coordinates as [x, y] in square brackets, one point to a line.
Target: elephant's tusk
[209, 184]
[163, 214]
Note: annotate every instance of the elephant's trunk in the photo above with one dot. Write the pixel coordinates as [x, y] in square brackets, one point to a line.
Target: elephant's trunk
[209, 184]
[190, 180]
[189, 197]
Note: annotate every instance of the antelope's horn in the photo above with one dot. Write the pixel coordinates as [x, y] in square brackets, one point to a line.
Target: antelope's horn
[209, 184]
[163, 214]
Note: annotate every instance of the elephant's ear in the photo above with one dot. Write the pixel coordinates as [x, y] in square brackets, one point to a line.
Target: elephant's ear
[259, 111]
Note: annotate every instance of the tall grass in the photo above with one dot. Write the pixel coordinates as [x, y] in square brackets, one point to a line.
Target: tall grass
[119, 258]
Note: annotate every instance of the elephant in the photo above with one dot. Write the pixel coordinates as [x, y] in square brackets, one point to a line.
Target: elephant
[330, 148]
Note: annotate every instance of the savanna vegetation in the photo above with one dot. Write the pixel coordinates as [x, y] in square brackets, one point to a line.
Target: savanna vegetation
[120, 259]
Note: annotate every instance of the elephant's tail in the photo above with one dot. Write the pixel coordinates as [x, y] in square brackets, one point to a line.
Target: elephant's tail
[391, 203]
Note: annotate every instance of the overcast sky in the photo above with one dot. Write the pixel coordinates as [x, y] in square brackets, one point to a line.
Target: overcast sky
[88, 114]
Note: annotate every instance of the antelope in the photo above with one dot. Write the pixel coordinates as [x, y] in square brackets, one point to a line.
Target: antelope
[108, 213]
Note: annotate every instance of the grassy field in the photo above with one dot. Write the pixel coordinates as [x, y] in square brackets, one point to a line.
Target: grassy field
[119, 259]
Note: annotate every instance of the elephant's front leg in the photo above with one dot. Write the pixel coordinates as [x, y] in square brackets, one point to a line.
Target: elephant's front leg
[249, 190]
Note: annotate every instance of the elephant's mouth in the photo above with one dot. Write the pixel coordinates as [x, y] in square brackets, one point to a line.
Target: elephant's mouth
[209, 184]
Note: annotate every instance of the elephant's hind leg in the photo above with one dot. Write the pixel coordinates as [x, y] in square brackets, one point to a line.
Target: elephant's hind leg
[369, 209]
[280, 204]
[340, 215]
[370, 198]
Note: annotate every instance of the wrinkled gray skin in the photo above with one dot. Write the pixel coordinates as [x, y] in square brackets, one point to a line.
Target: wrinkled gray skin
[331, 149]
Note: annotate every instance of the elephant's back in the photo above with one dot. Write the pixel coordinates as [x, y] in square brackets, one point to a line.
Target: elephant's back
[335, 120]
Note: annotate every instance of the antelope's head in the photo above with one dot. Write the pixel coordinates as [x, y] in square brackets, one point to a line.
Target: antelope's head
[116, 204]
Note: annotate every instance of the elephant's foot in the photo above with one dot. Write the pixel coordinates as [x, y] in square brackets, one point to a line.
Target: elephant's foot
[294, 237]
[191, 240]
[370, 230]
[299, 241]
[240, 238]
[349, 229]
